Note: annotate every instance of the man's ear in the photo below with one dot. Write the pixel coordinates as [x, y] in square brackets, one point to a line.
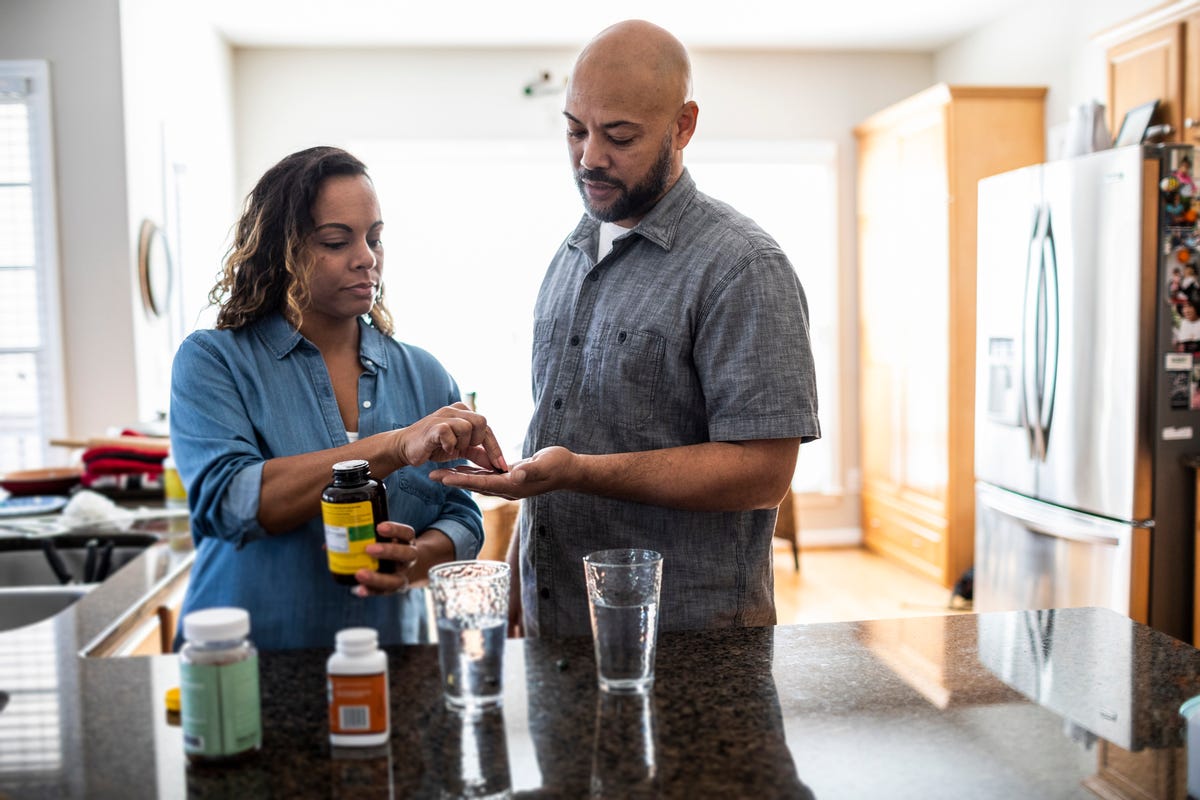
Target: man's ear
[685, 123]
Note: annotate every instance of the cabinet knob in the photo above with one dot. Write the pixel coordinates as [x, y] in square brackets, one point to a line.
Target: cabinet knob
[1190, 123]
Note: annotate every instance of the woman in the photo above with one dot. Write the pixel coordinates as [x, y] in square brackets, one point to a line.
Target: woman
[300, 373]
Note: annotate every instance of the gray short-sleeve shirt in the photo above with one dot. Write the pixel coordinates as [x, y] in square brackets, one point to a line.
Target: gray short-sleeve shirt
[694, 328]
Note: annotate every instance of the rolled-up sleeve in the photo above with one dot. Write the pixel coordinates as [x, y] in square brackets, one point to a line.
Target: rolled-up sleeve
[462, 522]
[214, 445]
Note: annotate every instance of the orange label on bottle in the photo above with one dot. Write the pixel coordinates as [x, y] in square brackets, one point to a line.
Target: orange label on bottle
[358, 704]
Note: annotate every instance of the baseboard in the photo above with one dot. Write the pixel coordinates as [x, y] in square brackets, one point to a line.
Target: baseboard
[831, 537]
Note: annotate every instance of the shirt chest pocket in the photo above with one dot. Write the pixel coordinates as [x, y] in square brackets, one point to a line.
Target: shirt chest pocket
[622, 368]
[412, 497]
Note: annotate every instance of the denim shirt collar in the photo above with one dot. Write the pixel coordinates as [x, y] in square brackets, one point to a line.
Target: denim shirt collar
[281, 338]
[660, 225]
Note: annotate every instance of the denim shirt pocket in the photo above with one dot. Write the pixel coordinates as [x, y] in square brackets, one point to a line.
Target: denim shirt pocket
[412, 497]
[621, 371]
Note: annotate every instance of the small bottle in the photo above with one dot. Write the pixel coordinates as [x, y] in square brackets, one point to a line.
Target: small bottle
[173, 488]
[218, 675]
[358, 690]
[351, 506]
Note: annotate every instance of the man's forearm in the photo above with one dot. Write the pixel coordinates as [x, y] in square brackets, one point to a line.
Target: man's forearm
[714, 476]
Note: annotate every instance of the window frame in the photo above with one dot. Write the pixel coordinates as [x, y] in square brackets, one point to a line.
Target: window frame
[32, 77]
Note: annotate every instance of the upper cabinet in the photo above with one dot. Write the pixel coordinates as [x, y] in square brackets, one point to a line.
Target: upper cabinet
[1157, 57]
[919, 163]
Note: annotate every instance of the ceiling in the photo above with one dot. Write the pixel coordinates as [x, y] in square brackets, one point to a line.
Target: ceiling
[884, 25]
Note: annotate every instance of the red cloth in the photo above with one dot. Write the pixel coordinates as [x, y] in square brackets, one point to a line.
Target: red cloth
[112, 466]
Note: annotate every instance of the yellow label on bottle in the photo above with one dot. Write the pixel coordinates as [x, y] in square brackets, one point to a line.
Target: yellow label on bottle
[349, 528]
[172, 485]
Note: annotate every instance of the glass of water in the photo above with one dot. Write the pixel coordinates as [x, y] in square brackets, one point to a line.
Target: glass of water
[470, 604]
[623, 588]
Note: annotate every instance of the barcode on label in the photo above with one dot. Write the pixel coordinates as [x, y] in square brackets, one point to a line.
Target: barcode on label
[354, 718]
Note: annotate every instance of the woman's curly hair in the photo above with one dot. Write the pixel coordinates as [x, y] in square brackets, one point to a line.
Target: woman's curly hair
[269, 265]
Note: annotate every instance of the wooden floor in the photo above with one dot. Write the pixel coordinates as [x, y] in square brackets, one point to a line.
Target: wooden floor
[851, 583]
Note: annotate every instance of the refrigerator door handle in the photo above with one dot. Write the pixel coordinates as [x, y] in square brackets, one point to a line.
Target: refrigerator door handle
[1030, 410]
[1049, 377]
[1047, 520]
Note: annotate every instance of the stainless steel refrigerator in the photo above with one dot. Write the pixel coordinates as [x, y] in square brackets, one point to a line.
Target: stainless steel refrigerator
[1088, 387]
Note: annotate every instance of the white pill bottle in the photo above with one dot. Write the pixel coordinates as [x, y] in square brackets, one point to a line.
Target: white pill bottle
[357, 681]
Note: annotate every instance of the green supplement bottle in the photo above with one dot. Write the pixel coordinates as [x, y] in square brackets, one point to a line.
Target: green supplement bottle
[351, 506]
[218, 675]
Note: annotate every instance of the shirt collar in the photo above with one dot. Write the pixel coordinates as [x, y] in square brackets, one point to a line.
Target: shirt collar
[660, 225]
[281, 339]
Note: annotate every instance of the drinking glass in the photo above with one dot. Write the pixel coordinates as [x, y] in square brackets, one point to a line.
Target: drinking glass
[623, 587]
[470, 603]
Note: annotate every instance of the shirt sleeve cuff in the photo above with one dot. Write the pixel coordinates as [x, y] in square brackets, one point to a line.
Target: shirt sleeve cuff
[240, 506]
[466, 541]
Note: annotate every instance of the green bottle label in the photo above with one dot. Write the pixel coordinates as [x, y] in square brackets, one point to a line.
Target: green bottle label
[219, 708]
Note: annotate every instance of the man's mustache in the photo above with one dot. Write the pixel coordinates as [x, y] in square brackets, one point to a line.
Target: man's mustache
[596, 176]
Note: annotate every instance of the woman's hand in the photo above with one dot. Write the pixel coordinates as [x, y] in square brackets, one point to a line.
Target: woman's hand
[395, 542]
[451, 433]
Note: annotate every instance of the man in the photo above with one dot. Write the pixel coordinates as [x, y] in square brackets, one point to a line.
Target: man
[672, 374]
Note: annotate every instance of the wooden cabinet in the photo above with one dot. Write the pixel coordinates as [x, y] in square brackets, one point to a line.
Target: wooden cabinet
[1157, 57]
[919, 165]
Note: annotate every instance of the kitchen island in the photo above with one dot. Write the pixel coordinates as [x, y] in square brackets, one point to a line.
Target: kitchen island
[1056, 703]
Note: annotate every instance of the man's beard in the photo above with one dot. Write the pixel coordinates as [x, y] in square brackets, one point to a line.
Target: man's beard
[633, 202]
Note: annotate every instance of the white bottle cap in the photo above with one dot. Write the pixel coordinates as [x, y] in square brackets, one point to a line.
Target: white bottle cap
[216, 625]
[357, 641]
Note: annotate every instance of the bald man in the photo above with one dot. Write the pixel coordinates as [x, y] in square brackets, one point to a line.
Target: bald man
[672, 373]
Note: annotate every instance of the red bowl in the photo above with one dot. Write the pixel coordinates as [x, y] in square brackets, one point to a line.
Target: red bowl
[54, 480]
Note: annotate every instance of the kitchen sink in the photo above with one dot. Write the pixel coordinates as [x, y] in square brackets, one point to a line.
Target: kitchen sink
[67, 558]
[25, 605]
[41, 576]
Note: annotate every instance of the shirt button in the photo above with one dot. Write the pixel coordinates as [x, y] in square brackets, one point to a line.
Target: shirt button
[621, 336]
[595, 276]
[558, 402]
[366, 403]
[544, 593]
[574, 340]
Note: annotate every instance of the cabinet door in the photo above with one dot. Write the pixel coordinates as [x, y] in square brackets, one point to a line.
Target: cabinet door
[920, 281]
[879, 315]
[1148, 67]
[1190, 133]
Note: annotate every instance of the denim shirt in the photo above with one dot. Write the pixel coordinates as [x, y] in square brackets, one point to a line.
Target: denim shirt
[242, 397]
[692, 329]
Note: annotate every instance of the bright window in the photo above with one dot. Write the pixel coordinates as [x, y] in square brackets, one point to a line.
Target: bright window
[471, 226]
[31, 402]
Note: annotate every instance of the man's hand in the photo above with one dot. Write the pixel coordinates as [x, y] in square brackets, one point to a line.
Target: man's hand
[450, 433]
[548, 469]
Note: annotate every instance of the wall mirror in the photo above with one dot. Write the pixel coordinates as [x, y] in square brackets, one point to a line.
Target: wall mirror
[154, 268]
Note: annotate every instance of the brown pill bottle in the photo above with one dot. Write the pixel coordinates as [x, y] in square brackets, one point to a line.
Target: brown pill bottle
[351, 506]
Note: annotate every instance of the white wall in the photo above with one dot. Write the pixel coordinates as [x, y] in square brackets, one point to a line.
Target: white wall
[179, 147]
[1047, 44]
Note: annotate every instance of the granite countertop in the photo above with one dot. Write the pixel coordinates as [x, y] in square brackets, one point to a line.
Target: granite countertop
[1000, 705]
